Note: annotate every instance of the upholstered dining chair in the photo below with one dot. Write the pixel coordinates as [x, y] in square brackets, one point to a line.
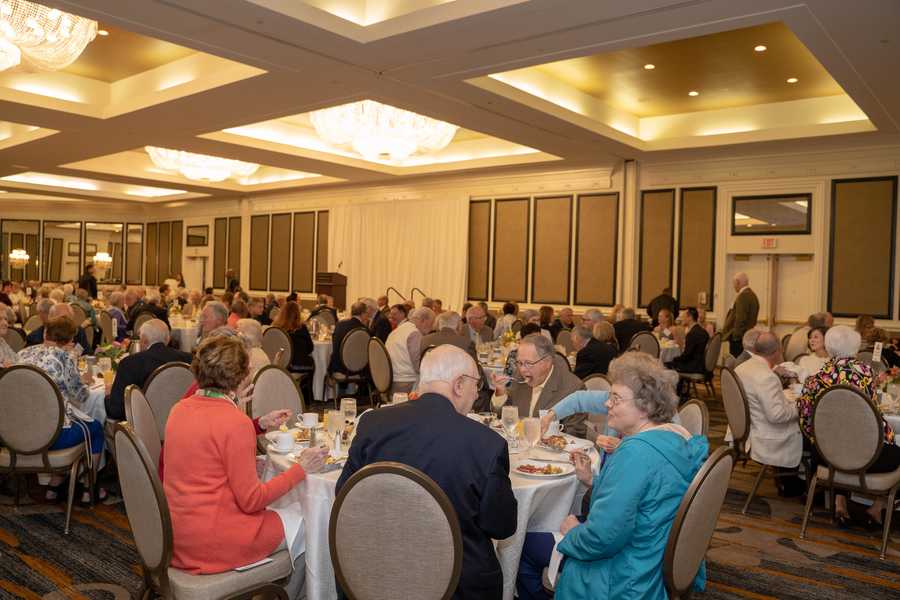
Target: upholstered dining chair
[33, 323]
[646, 342]
[151, 527]
[416, 551]
[139, 322]
[849, 436]
[277, 345]
[106, 328]
[695, 522]
[355, 356]
[694, 417]
[32, 412]
[597, 381]
[143, 421]
[711, 357]
[15, 338]
[78, 315]
[564, 339]
[166, 386]
[273, 389]
[380, 369]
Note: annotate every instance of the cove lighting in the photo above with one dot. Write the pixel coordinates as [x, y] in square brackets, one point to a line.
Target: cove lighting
[42, 89]
[148, 192]
[51, 181]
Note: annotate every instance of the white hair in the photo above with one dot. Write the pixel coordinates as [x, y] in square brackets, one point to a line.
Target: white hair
[68, 289]
[251, 331]
[152, 332]
[448, 320]
[842, 342]
[58, 295]
[218, 308]
[116, 299]
[445, 363]
[749, 339]
[592, 315]
[423, 314]
[44, 306]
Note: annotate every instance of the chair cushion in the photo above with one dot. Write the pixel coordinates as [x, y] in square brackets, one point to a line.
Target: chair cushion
[877, 482]
[58, 458]
[222, 585]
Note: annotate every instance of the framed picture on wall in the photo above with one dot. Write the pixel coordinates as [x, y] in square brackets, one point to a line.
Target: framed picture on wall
[197, 236]
[780, 214]
[90, 249]
[73, 249]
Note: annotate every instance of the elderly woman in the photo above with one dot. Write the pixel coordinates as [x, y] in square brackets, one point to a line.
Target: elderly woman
[116, 310]
[7, 355]
[812, 363]
[251, 333]
[842, 344]
[616, 551]
[606, 333]
[52, 357]
[218, 504]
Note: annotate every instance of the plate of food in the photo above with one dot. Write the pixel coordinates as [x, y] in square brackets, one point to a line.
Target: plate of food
[300, 435]
[562, 443]
[543, 470]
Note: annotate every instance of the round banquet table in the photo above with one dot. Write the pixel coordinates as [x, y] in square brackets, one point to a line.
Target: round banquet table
[893, 419]
[185, 335]
[668, 351]
[321, 356]
[542, 506]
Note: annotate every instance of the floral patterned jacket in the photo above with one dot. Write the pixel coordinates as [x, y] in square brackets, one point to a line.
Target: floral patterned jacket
[60, 367]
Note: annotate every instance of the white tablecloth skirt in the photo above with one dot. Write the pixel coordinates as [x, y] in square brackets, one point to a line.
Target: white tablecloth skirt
[321, 356]
[184, 337]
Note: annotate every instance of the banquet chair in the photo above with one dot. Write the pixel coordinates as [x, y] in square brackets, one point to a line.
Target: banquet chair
[106, 328]
[564, 339]
[275, 340]
[380, 369]
[416, 552]
[516, 326]
[355, 356]
[785, 340]
[711, 357]
[143, 422]
[78, 315]
[273, 389]
[89, 335]
[15, 338]
[597, 381]
[151, 526]
[694, 417]
[33, 323]
[646, 342]
[139, 322]
[849, 436]
[24, 311]
[33, 415]
[166, 386]
[695, 522]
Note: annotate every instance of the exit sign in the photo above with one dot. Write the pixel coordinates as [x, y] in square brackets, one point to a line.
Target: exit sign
[769, 243]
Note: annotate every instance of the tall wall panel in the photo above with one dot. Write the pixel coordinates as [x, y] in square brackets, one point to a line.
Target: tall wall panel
[656, 237]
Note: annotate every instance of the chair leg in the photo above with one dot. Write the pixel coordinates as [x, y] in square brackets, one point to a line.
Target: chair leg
[73, 476]
[810, 494]
[887, 521]
[756, 483]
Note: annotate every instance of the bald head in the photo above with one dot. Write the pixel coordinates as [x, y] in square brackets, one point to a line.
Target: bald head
[153, 332]
[741, 281]
[450, 372]
[768, 346]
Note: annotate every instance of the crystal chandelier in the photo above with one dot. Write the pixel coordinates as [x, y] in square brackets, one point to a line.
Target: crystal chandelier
[47, 38]
[381, 132]
[199, 166]
[18, 259]
[102, 261]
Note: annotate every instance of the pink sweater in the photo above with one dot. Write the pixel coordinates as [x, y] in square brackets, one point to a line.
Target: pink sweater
[217, 503]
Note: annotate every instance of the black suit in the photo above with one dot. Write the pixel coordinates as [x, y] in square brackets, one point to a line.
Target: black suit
[594, 358]
[37, 337]
[626, 329]
[134, 370]
[380, 326]
[336, 365]
[88, 282]
[693, 359]
[466, 460]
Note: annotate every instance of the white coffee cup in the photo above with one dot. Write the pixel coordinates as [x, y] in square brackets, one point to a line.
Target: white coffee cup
[553, 428]
[310, 420]
[284, 441]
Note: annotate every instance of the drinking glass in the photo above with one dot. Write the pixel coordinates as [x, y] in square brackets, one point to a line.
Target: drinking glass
[532, 429]
[348, 408]
[335, 424]
[509, 416]
[497, 403]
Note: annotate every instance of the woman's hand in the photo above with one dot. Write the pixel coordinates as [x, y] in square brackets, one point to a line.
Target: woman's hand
[583, 470]
[608, 443]
[546, 420]
[568, 524]
[274, 419]
[313, 459]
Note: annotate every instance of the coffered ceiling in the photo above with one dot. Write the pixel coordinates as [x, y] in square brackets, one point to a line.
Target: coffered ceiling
[528, 83]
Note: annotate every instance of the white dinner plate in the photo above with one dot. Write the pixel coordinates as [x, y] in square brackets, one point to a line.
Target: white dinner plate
[272, 448]
[567, 469]
[300, 425]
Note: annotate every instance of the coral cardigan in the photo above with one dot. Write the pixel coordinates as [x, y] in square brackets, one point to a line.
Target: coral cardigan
[217, 502]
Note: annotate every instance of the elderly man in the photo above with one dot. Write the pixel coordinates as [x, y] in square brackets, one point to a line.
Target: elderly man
[628, 327]
[591, 355]
[489, 320]
[447, 326]
[379, 325]
[326, 308]
[747, 343]
[137, 368]
[466, 460]
[397, 314]
[48, 310]
[404, 346]
[546, 381]
[384, 305]
[476, 326]
[775, 437]
[742, 315]
[213, 316]
[565, 321]
[590, 318]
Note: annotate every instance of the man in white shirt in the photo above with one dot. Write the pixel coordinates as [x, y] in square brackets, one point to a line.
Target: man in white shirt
[404, 346]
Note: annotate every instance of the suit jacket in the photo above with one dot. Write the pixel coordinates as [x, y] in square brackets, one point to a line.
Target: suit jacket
[448, 336]
[380, 326]
[158, 312]
[467, 460]
[558, 326]
[134, 370]
[660, 302]
[594, 358]
[341, 329]
[37, 337]
[775, 437]
[693, 358]
[486, 334]
[560, 384]
[626, 329]
[741, 318]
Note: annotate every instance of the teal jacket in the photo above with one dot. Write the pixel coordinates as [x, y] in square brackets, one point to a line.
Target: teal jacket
[618, 552]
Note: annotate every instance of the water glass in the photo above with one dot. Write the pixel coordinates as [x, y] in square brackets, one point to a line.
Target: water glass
[532, 429]
[348, 408]
[509, 416]
[334, 421]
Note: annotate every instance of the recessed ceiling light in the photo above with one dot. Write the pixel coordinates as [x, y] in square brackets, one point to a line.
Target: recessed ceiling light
[693, 93]
[760, 48]
[649, 66]
[102, 32]
[792, 80]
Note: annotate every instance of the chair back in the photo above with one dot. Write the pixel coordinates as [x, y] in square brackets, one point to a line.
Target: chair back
[417, 549]
[380, 367]
[847, 429]
[78, 314]
[785, 339]
[734, 398]
[695, 522]
[24, 311]
[34, 322]
[142, 420]
[273, 389]
[145, 505]
[106, 328]
[646, 342]
[694, 417]
[139, 322]
[355, 349]
[275, 340]
[32, 410]
[15, 338]
[713, 350]
[597, 382]
[564, 339]
[166, 386]
[89, 336]
[516, 326]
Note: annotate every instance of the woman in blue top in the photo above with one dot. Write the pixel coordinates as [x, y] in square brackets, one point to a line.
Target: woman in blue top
[617, 550]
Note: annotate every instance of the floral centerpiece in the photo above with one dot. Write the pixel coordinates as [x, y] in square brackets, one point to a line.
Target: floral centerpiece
[508, 337]
[889, 377]
[113, 352]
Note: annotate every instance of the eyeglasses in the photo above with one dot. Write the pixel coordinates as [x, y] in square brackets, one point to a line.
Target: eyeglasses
[477, 380]
[615, 399]
[528, 364]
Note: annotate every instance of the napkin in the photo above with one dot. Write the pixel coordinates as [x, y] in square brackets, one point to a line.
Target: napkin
[555, 559]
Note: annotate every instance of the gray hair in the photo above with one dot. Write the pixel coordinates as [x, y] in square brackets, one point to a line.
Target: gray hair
[592, 315]
[543, 346]
[116, 299]
[582, 332]
[475, 309]
[152, 332]
[370, 302]
[153, 297]
[749, 339]
[223, 331]
[842, 342]
[652, 384]
[767, 344]
[628, 313]
[61, 309]
[742, 279]
[251, 331]
[58, 295]
[445, 363]
[217, 307]
[422, 314]
[529, 314]
[44, 306]
[449, 320]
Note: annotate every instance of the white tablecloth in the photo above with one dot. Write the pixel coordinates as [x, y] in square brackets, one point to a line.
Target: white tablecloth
[95, 405]
[668, 352]
[184, 336]
[542, 506]
[321, 356]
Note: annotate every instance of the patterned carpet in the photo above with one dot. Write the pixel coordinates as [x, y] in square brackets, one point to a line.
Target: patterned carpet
[758, 556]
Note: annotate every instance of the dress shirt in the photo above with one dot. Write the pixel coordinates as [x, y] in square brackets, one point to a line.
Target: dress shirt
[536, 393]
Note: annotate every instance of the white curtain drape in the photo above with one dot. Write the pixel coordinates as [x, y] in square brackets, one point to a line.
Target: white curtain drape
[405, 244]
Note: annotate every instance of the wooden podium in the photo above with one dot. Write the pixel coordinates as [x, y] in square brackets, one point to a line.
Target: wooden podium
[334, 285]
